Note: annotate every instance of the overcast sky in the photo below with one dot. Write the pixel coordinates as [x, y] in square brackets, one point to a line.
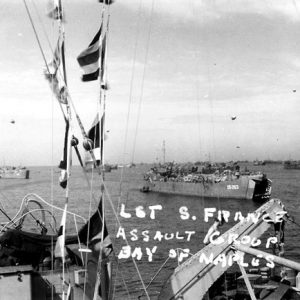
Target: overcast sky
[179, 69]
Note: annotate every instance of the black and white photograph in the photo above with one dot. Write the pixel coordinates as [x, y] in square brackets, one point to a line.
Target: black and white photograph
[150, 149]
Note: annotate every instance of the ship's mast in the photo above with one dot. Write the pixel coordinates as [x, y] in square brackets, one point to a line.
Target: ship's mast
[164, 151]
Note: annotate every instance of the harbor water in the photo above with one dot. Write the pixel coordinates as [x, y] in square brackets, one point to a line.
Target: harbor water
[156, 226]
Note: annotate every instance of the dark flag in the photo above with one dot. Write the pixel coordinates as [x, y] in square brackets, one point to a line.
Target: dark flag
[91, 235]
[107, 2]
[94, 132]
[89, 59]
[63, 179]
[95, 137]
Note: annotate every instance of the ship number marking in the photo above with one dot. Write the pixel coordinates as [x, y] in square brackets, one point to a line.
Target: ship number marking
[233, 187]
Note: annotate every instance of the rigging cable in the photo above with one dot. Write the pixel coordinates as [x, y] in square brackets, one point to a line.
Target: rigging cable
[131, 89]
[69, 97]
[47, 67]
[41, 200]
[52, 154]
[199, 12]
[211, 104]
[102, 102]
[82, 130]
[125, 144]
[94, 165]
[67, 119]
[2, 209]
[107, 193]
[297, 9]
[155, 275]
[39, 43]
[143, 81]
[134, 262]
[124, 282]
[69, 147]
[126, 240]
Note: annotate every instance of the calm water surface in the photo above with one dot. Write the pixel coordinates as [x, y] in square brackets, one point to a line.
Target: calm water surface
[128, 285]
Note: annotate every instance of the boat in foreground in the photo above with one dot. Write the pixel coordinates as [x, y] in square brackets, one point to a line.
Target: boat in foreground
[194, 278]
[29, 270]
[48, 264]
[30, 267]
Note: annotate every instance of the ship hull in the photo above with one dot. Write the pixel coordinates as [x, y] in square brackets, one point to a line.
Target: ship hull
[291, 165]
[15, 174]
[244, 187]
